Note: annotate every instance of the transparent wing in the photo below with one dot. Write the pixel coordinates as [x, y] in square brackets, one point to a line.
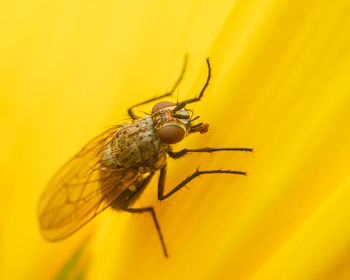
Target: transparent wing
[81, 189]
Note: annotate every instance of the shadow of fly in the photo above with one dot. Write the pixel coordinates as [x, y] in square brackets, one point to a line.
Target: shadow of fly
[115, 167]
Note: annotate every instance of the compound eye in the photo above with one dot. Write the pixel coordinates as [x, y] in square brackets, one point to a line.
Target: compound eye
[171, 134]
[161, 105]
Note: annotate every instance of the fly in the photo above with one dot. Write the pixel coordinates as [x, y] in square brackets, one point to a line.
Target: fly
[115, 167]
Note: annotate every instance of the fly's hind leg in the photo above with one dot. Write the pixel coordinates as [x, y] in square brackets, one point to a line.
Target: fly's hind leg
[169, 93]
[154, 217]
[128, 197]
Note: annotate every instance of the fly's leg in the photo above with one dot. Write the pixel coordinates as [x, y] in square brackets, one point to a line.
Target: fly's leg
[182, 104]
[151, 210]
[130, 197]
[161, 181]
[183, 152]
[130, 110]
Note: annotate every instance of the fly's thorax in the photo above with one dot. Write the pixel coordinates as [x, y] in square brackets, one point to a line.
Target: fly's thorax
[136, 145]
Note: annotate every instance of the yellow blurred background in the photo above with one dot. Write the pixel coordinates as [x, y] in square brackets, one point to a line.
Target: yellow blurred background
[281, 84]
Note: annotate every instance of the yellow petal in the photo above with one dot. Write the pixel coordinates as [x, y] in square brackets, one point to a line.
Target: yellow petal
[280, 85]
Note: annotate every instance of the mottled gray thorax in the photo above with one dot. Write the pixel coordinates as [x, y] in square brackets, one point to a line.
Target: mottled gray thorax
[135, 145]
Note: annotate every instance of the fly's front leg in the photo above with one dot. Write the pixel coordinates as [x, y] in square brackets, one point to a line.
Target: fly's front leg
[183, 152]
[130, 110]
[197, 173]
[182, 104]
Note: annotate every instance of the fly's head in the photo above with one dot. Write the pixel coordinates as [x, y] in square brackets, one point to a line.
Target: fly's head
[173, 122]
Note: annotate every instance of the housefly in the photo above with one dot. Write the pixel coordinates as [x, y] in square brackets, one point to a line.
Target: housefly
[115, 167]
